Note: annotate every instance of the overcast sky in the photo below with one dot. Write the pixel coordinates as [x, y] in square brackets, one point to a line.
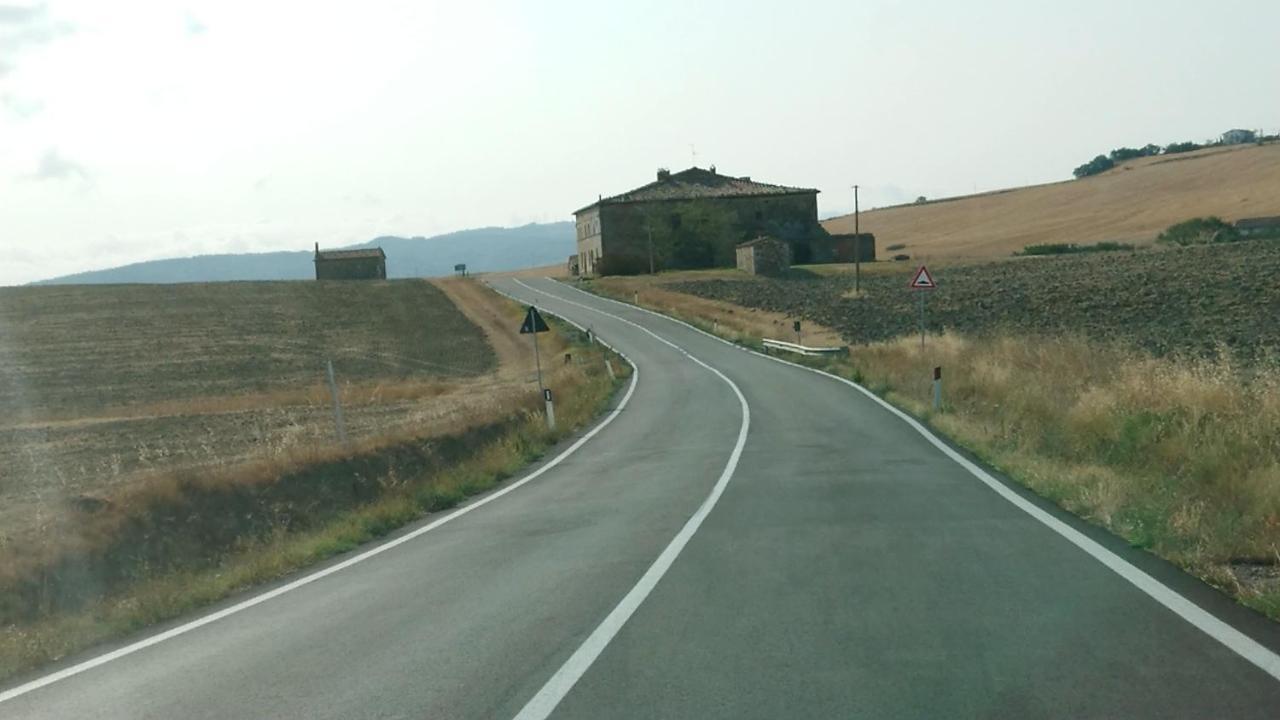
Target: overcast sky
[138, 130]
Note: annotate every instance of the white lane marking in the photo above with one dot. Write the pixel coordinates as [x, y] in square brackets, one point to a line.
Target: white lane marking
[1238, 642]
[308, 579]
[545, 701]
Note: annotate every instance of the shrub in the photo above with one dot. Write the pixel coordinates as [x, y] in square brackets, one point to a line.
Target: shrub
[1175, 148]
[1200, 231]
[896, 246]
[1070, 248]
[1100, 164]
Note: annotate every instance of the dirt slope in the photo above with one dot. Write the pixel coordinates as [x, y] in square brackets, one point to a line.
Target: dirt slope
[1132, 203]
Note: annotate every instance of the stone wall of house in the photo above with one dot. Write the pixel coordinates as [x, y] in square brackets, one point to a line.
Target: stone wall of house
[351, 269]
[764, 257]
[697, 233]
[589, 228]
[843, 248]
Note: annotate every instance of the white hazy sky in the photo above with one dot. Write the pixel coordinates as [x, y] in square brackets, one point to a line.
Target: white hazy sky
[138, 130]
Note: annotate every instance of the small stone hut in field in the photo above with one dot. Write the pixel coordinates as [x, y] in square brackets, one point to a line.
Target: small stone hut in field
[764, 256]
[366, 264]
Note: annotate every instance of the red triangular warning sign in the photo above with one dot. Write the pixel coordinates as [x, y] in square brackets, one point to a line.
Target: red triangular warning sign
[923, 280]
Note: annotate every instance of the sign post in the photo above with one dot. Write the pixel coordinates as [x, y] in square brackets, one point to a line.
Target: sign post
[532, 325]
[922, 280]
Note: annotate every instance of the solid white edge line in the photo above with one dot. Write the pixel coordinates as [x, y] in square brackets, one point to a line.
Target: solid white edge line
[1238, 642]
[541, 705]
[308, 579]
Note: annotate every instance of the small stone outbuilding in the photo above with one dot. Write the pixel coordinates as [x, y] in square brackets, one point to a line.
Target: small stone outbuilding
[367, 264]
[764, 256]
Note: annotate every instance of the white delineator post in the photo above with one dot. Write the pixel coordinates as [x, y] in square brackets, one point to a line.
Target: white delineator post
[551, 409]
[339, 425]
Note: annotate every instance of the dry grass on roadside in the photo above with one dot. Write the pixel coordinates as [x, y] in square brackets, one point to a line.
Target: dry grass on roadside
[738, 324]
[1179, 456]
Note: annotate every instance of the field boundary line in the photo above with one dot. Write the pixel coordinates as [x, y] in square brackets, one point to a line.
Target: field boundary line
[544, 702]
[1233, 639]
[312, 577]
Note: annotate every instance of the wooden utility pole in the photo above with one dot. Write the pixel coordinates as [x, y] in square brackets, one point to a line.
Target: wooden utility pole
[649, 227]
[857, 248]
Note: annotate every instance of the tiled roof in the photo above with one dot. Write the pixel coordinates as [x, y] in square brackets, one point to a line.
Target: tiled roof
[696, 183]
[765, 240]
[350, 254]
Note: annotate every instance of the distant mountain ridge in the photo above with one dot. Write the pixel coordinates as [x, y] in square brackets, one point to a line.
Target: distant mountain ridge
[481, 249]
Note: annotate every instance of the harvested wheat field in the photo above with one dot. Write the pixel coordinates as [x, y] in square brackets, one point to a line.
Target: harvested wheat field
[1132, 203]
[104, 388]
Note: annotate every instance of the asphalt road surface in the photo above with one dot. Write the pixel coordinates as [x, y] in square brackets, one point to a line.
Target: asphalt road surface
[742, 539]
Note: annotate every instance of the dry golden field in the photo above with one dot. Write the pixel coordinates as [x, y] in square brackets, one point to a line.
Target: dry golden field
[103, 388]
[1131, 203]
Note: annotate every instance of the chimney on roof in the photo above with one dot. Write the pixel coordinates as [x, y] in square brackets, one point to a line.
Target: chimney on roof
[663, 174]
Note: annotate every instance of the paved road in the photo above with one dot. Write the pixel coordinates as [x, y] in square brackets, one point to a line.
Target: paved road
[839, 565]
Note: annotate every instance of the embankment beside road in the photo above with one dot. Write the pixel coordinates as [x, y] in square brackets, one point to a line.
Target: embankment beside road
[1177, 455]
[160, 549]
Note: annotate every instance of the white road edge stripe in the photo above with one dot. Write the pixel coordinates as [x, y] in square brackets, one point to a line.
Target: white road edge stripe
[545, 701]
[1208, 623]
[308, 579]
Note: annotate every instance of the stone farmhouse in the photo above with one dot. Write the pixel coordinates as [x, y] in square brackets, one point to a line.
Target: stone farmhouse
[690, 219]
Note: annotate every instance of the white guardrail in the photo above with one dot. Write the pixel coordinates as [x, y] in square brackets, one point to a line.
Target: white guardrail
[802, 349]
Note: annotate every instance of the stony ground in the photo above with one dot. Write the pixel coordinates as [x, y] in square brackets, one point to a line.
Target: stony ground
[1193, 301]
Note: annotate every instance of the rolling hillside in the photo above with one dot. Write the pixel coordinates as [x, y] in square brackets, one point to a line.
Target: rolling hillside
[1130, 203]
[481, 249]
[102, 387]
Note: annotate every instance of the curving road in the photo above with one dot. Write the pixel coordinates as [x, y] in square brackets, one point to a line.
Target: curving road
[742, 538]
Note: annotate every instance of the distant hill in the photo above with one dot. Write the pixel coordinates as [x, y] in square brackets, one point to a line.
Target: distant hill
[1133, 202]
[482, 249]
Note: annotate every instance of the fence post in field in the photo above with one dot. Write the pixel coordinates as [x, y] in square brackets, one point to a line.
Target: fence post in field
[339, 425]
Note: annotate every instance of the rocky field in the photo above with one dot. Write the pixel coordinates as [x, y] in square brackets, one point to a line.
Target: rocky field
[1192, 301]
